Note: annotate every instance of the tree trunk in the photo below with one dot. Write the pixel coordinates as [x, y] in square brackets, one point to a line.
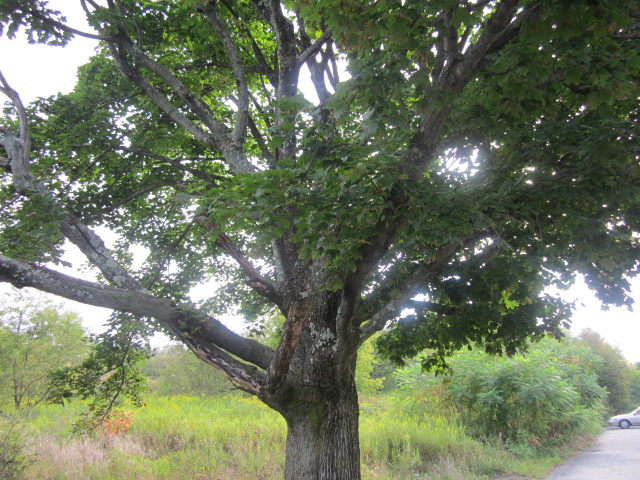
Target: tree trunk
[322, 437]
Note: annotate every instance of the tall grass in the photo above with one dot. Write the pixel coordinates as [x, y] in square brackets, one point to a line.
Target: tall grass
[207, 438]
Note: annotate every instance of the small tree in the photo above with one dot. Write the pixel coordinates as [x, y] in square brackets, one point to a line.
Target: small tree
[614, 372]
[36, 337]
[476, 152]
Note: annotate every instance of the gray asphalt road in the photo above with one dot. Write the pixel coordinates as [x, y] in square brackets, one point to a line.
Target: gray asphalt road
[614, 456]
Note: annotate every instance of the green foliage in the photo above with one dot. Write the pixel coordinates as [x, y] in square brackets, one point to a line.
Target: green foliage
[110, 374]
[614, 373]
[174, 370]
[14, 16]
[478, 153]
[36, 337]
[538, 152]
[365, 365]
[537, 401]
[13, 459]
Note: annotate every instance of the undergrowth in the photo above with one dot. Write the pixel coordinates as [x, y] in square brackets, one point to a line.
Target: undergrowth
[232, 437]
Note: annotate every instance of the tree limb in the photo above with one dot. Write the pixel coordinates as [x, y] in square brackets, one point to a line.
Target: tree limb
[196, 329]
[242, 116]
[292, 329]
[190, 325]
[211, 179]
[78, 233]
[218, 136]
[21, 147]
[314, 48]
[68, 29]
[256, 281]
[133, 75]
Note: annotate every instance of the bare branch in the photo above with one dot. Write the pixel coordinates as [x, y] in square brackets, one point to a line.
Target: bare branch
[68, 29]
[314, 48]
[255, 280]
[94, 248]
[24, 143]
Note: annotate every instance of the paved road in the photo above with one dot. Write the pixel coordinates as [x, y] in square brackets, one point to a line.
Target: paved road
[614, 456]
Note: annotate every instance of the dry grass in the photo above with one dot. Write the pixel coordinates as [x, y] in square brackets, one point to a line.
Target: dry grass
[72, 459]
[191, 438]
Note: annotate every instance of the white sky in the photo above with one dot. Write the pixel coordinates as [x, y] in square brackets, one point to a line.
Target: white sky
[39, 71]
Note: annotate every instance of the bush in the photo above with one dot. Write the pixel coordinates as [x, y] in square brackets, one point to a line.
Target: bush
[13, 459]
[537, 401]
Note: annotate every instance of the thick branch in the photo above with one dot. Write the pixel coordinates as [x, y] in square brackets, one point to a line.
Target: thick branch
[217, 138]
[154, 94]
[501, 20]
[21, 148]
[279, 367]
[199, 108]
[78, 233]
[187, 323]
[314, 48]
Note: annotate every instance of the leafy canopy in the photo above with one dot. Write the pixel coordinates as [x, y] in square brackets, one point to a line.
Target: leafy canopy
[472, 154]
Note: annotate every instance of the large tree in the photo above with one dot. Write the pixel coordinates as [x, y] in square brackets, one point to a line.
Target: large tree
[445, 162]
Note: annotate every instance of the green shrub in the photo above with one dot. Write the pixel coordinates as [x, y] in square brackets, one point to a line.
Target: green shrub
[13, 459]
[533, 402]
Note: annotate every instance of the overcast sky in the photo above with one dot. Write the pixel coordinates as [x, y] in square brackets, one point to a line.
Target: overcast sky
[39, 71]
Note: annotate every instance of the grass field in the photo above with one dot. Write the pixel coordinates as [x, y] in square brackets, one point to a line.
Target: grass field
[207, 438]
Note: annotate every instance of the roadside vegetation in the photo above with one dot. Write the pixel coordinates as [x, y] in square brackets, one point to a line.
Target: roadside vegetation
[485, 418]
